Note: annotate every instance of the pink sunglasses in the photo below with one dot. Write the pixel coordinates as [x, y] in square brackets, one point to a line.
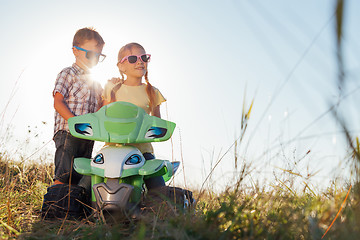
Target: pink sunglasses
[133, 58]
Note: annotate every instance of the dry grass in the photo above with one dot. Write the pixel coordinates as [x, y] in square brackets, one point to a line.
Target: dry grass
[239, 212]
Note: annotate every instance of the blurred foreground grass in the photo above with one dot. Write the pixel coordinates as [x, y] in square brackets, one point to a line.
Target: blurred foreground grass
[239, 212]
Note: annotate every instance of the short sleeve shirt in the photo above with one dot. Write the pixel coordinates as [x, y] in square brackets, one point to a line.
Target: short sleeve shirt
[133, 94]
[136, 95]
[81, 94]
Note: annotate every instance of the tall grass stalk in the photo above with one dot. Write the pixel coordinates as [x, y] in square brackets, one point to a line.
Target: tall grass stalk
[341, 82]
[245, 115]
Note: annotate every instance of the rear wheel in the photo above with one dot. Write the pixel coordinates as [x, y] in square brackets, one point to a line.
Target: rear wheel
[168, 200]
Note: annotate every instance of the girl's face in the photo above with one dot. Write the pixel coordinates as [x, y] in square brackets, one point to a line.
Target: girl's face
[133, 70]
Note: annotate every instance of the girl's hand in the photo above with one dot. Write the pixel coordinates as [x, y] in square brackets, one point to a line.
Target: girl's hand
[116, 80]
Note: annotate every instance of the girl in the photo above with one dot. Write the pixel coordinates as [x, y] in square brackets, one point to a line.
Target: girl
[133, 62]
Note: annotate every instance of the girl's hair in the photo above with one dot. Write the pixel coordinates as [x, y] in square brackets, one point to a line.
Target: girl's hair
[86, 34]
[149, 88]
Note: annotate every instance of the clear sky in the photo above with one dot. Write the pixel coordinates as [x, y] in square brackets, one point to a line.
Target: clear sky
[207, 57]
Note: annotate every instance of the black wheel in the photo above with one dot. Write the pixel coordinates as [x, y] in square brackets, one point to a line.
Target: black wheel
[168, 200]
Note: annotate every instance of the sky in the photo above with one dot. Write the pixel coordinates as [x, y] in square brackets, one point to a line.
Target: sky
[209, 59]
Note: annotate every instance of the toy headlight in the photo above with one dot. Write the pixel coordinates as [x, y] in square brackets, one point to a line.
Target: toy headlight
[133, 159]
[99, 159]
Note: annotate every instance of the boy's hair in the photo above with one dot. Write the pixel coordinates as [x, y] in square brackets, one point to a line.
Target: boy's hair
[149, 88]
[86, 34]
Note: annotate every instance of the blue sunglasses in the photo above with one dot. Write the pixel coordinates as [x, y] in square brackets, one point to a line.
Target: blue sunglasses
[91, 54]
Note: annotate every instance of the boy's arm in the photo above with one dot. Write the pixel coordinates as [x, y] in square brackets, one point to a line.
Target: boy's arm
[61, 107]
[105, 102]
[102, 103]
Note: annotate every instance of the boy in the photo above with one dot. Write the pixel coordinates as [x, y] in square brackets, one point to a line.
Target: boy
[76, 94]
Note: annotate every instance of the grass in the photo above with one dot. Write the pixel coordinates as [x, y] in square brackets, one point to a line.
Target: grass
[239, 212]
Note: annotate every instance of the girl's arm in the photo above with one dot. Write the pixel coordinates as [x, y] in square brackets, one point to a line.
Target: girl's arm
[61, 107]
[156, 111]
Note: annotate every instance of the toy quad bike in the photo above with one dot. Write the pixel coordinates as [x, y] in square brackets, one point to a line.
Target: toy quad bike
[118, 171]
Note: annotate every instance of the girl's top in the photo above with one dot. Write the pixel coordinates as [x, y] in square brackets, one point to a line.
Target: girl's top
[136, 95]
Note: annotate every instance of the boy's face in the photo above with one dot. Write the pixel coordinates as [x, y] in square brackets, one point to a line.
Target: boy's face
[80, 55]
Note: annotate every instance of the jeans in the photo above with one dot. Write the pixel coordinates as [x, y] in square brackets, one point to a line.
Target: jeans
[69, 147]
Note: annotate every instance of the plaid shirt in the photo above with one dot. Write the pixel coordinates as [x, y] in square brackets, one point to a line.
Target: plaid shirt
[81, 94]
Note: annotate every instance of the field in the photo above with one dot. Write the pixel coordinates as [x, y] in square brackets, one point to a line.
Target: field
[242, 210]
[239, 212]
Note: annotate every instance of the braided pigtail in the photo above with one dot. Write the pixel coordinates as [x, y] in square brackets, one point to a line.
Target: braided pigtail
[113, 92]
[116, 88]
[150, 92]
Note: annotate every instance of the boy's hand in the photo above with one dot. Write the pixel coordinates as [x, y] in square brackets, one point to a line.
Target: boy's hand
[116, 80]
[61, 107]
